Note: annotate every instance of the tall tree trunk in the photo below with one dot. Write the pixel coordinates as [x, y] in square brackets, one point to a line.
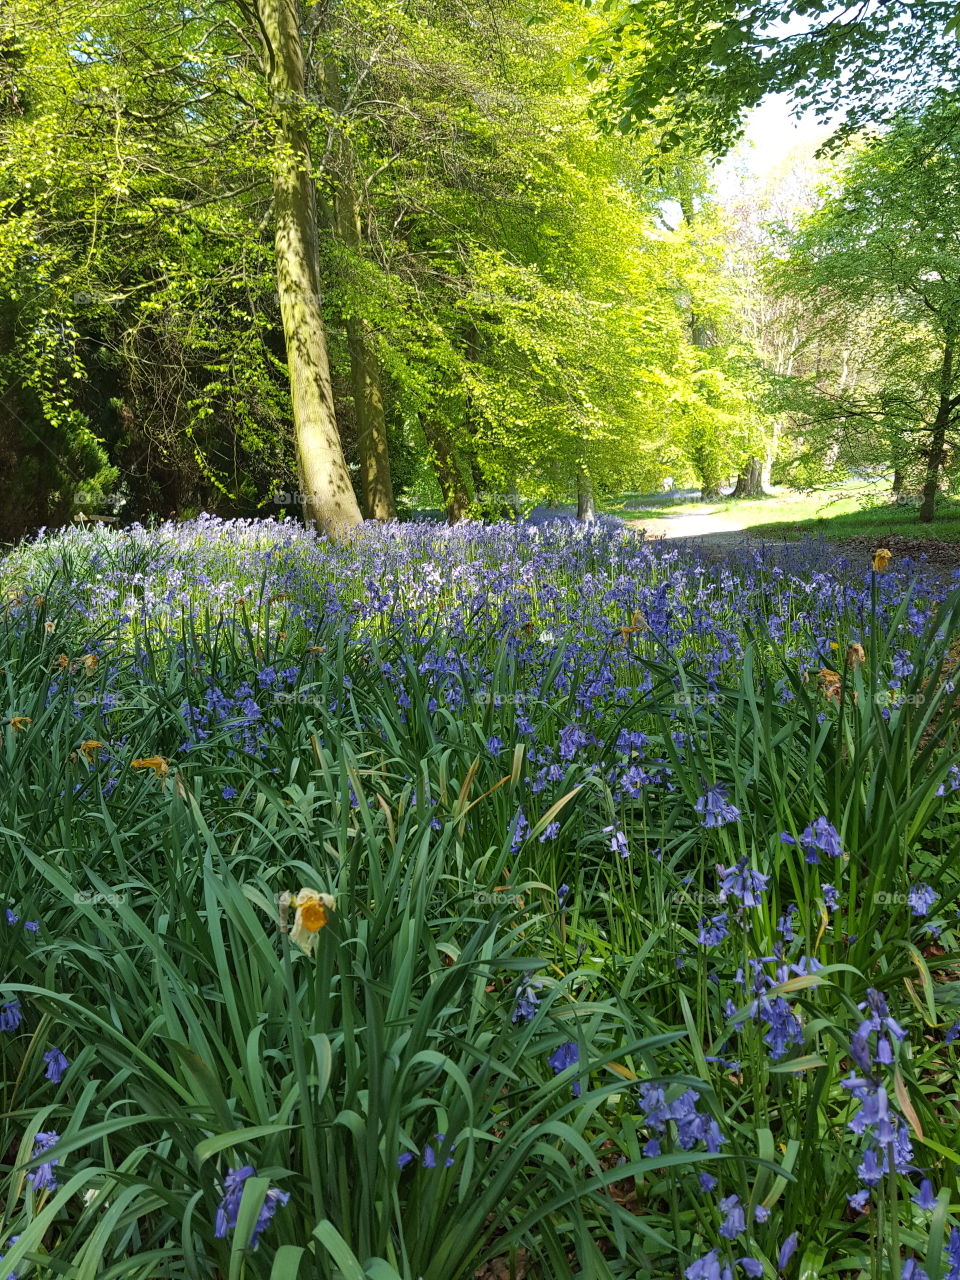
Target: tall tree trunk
[586, 507]
[750, 480]
[453, 485]
[372, 445]
[938, 437]
[328, 497]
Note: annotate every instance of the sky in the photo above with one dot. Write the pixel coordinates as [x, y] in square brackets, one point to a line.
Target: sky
[774, 129]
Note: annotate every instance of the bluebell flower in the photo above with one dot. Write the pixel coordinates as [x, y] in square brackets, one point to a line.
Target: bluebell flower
[229, 1206]
[567, 1055]
[913, 1271]
[527, 1001]
[705, 1268]
[743, 883]
[734, 1222]
[562, 893]
[229, 793]
[715, 810]
[404, 1159]
[43, 1178]
[652, 1148]
[57, 1065]
[11, 1015]
[787, 1250]
[953, 1254]
[11, 1275]
[272, 1201]
[750, 1266]
[953, 1033]
[925, 1197]
[760, 1213]
[713, 932]
[831, 896]
[618, 841]
[859, 1199]
[920, 899]
[707, 1182]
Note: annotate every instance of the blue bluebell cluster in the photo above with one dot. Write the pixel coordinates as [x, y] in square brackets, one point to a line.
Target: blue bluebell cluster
[229, 1207]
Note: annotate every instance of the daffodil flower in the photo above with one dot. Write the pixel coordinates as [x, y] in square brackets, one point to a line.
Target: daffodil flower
[313, 910]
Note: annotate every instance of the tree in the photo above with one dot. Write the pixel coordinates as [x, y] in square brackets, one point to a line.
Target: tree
[328, 497]
[888, 238]
[692, 68]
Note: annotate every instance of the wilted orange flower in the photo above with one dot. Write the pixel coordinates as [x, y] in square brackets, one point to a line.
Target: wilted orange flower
[18, 723]
[39, 602]
[313, 912]
[284, 595]
[637, 623]
[63, 662]
[159, 764]
[89, 663]
[831, 683]
[49, 626]
[881, 558]
[89, 747]
[856, 655]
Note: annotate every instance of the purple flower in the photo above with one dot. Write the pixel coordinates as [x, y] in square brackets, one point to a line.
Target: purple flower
[562, 893]
[11, 1275]
[272, 1201]
[831, 897]
[42, 1178]
[568, 1055]
[859, 1199]
[953, 1033]
[713, 932]
[787, 1250]
[229, 793]
[404, 1159]
[714, 808]
[913, 1271]
[742, 882]
[707, 1182]
[750, 1266]
[618, 841]
[57, 1065]
[229, 1206]
[953, 1254]
[527, 1001]
[705, 1268]
[734, 1222]
[920, 899]
[925, 1197]
[11, 1015]
[820, 837]
[430, 1157]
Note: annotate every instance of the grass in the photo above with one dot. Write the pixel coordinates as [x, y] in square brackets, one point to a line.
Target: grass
[574, 972]
[858, 510]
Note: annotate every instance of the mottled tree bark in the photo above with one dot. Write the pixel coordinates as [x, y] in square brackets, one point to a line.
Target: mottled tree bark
[750, 480]
[938, 437]
[372, 446]
[328, 498]
[586, 506]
